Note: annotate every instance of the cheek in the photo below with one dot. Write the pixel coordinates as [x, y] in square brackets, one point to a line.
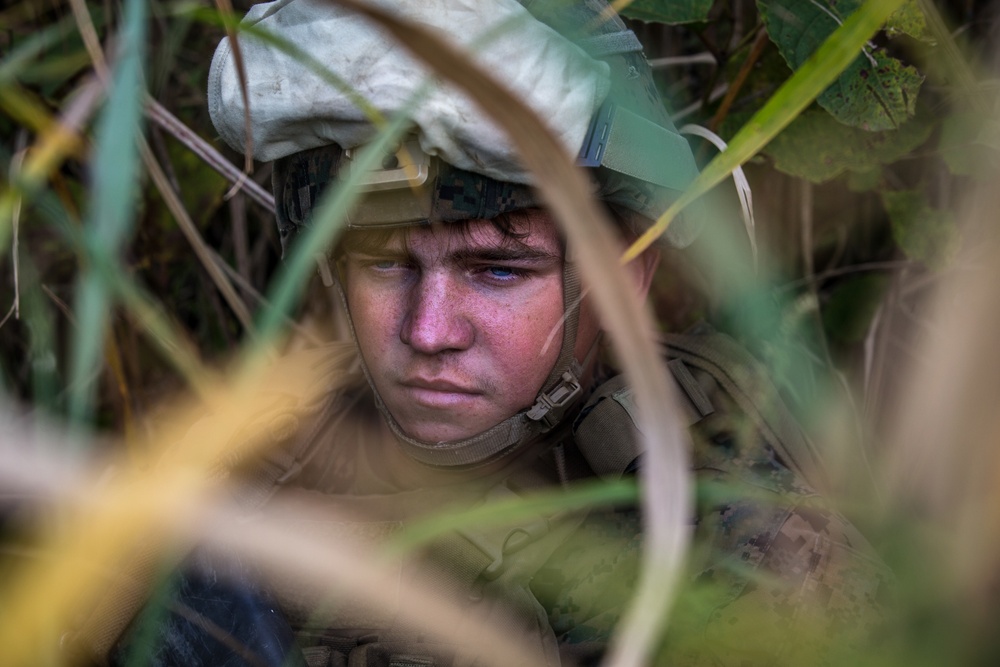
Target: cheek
[528, 342]
[373, 315]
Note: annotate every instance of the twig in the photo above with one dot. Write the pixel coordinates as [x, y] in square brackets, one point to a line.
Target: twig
[60, 304]
[246, 286]
[238, 215]
[7, 316]
[160, 150]
[704, 58]
[201, 249]
[15, 218]
[737, 84]
[847, 270]
[226, 9]
[157, 113]
[716, 93]
[85, 25]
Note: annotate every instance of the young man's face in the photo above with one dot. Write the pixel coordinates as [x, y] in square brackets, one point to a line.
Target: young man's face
[460, 325]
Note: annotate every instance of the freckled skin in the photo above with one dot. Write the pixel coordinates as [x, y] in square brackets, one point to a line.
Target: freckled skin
[453, 324]
[460, 327]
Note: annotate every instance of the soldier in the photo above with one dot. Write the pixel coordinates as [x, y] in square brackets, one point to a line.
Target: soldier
[454, 281]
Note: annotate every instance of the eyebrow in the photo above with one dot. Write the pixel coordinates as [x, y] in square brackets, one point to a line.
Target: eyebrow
[502, 254]
[516, 253]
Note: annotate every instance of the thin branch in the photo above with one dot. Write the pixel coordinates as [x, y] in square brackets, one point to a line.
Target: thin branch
[226, 10]
[889, 265]
[241, 243]
[716, 93]
[157, 113]
[190, 231]
[246, 286]
[704, 58]
[60, 304]
[15, 218]
[85, 25]
[737, 84]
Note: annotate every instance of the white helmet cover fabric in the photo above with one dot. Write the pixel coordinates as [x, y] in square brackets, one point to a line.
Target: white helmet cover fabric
[293, 109]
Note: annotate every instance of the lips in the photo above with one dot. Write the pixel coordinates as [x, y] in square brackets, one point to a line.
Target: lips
[439, 385]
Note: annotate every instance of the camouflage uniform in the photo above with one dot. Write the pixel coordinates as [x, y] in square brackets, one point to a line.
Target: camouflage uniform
[776, 577]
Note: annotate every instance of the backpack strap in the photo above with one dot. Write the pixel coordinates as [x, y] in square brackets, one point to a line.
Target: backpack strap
[607, 430]
[713, 374]
[719, 359]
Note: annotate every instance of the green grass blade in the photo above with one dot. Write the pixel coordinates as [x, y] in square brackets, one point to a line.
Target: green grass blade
[327, 221]
[168, 338]
[581, 496]
[111, 210]
[17, 59]
[816, 73]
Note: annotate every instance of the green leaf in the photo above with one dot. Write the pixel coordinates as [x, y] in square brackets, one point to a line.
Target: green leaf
[876, 92]
[668, 11]
[818, 148]
[908, 20]
[781, 109]
[112, 207]
[873, 95]
[925, 234]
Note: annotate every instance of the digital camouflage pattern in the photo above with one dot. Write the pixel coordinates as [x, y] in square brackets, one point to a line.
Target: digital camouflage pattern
[300, 180]
[776, 577]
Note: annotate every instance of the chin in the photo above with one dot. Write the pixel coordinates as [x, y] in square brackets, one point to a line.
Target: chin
[438, 433]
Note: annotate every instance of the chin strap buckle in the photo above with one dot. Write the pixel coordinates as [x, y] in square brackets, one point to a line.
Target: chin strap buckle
[550, 405]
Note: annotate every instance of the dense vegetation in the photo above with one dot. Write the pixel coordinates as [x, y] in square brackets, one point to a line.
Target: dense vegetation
[867, 285]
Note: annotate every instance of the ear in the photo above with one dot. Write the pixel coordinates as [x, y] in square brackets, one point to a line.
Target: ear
[642, 269]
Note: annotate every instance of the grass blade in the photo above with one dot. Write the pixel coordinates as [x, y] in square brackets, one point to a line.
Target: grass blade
[818, 72]
[116, 180]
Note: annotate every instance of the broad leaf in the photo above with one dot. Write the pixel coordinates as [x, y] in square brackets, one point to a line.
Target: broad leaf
[908, 20]
[923, 233]
[818, 148]
[668, 11]
[876, 92]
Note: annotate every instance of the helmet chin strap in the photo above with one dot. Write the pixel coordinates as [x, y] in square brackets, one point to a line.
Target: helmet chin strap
[561, 391]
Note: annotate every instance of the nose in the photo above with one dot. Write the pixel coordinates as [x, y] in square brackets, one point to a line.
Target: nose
[436, 320]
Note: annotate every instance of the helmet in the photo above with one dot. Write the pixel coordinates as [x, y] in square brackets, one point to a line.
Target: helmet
[638, 161]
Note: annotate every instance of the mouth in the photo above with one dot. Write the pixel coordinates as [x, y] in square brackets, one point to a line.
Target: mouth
[439, 385]
[440, 394]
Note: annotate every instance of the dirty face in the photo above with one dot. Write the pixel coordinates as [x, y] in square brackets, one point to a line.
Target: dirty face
[459, 325]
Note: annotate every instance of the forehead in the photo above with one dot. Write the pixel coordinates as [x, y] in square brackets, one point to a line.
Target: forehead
[529, 228]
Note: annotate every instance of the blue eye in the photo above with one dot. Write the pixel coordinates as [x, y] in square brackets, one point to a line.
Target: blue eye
[501, 272]
[385, 264]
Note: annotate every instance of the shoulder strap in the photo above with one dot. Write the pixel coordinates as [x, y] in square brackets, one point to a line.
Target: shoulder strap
[745, 381]
[701, 364]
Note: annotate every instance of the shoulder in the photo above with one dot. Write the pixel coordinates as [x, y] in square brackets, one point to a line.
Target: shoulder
[778, 574]
[768, 553]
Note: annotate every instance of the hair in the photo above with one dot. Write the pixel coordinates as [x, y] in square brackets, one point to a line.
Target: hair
[511, 226]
